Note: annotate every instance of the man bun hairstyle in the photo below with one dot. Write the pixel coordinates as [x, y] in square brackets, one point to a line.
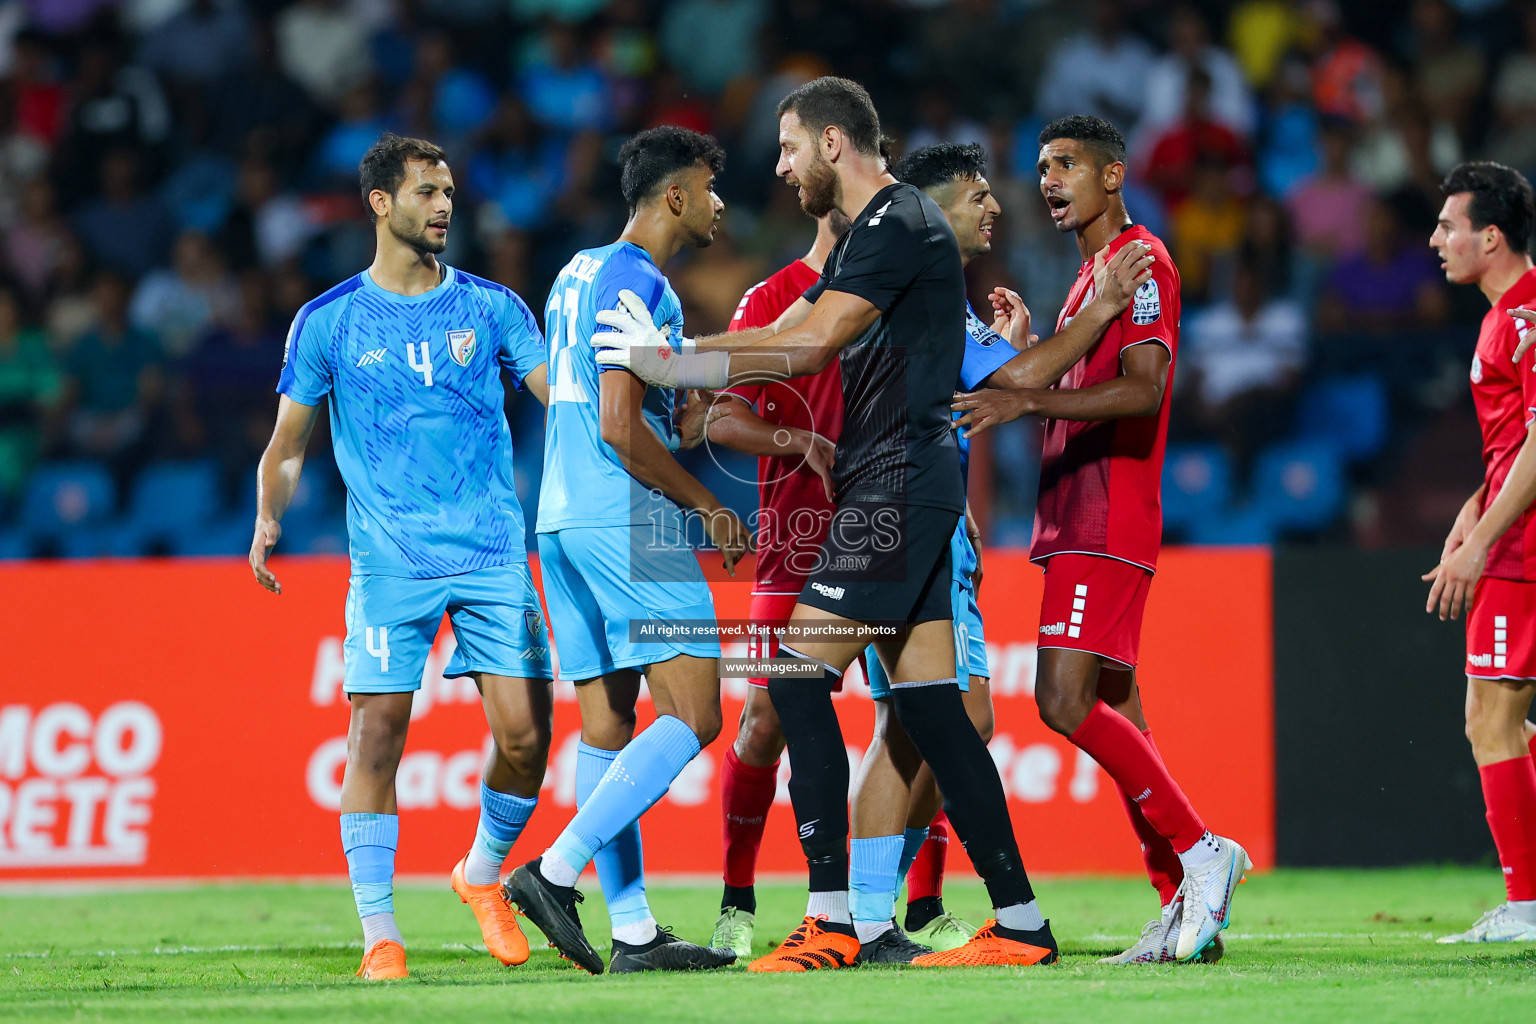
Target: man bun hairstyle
[1501, 196]
[1097, 135]
[383, 166]
[649, 159]
[827, 101]
[936, 166]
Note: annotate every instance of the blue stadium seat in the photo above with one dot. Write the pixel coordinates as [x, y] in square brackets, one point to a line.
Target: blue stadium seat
[169, 500]
[1300, 484]
[1243, 525]
[1197, 483]
[1350, 412]
[64, 497]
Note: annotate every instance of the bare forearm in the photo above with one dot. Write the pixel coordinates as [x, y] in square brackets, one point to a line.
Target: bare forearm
[1517, 495]
[649, 461]
[277, 478]
[1045, 363]
[746, 432]
[1121, 398]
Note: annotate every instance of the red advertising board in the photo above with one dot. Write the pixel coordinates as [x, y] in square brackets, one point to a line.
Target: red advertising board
[171, 718]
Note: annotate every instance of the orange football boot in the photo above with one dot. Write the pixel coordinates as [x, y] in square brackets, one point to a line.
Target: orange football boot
[498, 921]
[385, 960]
[988, 949]
[810, 948]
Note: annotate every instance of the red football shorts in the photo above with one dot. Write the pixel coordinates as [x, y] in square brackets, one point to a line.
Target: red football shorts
[1094, 603]
[1501, 630]
[771, 610]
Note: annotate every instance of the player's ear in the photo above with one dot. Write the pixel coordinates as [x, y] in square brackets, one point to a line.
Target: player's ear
[832, 142]
[1113, 176]
[379, 201]
[676, 198]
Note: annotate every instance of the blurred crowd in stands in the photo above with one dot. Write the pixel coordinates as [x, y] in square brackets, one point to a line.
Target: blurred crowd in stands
[178, 176]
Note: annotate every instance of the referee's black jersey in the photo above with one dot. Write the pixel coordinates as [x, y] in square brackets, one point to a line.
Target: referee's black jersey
[897, 445]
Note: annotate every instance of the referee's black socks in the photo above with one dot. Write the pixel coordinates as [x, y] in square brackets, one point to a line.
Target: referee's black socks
[818, 784]
[933, 714]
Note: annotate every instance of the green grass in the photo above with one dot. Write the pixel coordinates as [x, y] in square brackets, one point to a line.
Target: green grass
[1338, 946]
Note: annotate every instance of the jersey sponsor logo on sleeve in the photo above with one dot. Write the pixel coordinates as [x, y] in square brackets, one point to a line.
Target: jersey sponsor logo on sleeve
[879, 213]
[461, 345]
[1148, 305]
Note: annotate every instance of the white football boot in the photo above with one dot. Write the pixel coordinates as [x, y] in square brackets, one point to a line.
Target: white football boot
[1160, 937]
[1498, 925]
[1208, 892]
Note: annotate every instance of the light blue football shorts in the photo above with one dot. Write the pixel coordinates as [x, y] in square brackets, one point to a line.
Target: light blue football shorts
[392, 621]
[970, 644]
[597, 581]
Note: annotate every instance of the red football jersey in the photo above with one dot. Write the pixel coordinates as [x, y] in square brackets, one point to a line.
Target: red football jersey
[1101, 483]
[794, 510]
[1505, 396]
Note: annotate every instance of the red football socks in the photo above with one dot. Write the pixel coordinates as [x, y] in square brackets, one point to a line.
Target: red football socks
[1132, 761]
[926, 876]
[1509, 790]
[746, 793]
[1163, 866]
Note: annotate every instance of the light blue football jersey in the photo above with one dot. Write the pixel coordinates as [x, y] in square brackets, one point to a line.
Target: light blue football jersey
[417, 420]
[585, 484]
[985, 351]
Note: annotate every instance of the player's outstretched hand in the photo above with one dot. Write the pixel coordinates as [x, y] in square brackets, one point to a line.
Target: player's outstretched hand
[1115, 281]
[1529, 316]
[267, 533]
[730, 535]
[991, 406]
[820, 454]
[702, 408]
[1010, 318]
[1454, 580]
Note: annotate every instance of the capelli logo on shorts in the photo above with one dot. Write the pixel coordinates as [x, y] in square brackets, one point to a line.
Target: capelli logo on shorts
[833, 593]
[1480, 660]
[1055, 629]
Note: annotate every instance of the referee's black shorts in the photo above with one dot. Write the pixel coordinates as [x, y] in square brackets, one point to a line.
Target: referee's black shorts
[884, 563]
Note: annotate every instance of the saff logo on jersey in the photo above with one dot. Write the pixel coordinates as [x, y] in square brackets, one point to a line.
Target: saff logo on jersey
[1148, 305]
[1477, 369]
[461, 345]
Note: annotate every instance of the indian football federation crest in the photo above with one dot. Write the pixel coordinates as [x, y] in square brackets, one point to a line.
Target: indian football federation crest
[531, 618]
[461, 345]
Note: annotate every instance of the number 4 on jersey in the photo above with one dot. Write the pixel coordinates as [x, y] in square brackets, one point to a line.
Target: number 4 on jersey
[424, 366]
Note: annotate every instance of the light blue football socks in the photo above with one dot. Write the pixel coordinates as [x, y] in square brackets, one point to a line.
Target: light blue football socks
[370, 841]
[633, 781]
[872, 880]
[502, 817]
[620, 864]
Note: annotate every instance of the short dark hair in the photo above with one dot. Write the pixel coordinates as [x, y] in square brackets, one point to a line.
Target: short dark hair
[383, 166]
[650, 157]
[1098, 135]
[933, 166]
[1501, 196]
[827, 101]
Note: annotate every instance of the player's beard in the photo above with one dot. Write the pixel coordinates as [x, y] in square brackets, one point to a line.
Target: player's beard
[417, 238]
[818, 188]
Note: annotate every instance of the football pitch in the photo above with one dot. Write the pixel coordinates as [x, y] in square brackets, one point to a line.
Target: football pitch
[1304, 946]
